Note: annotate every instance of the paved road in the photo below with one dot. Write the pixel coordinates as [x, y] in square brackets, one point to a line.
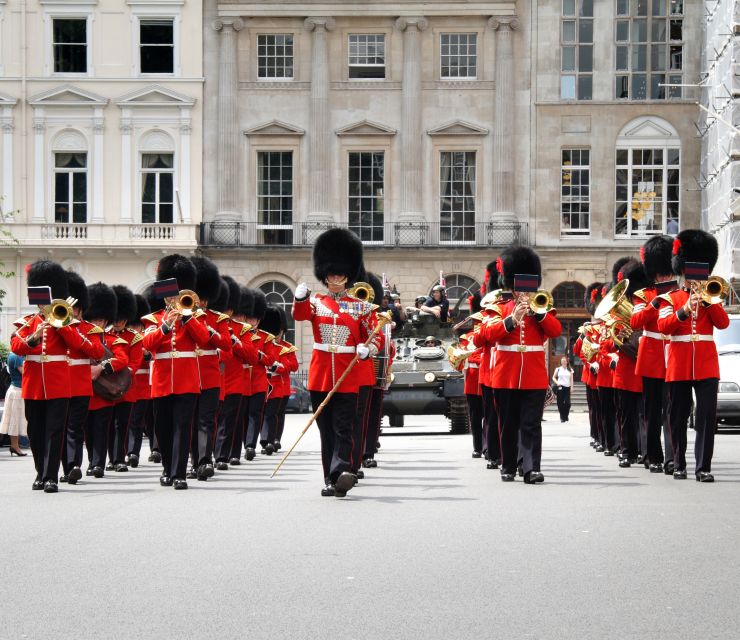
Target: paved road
[432, 545]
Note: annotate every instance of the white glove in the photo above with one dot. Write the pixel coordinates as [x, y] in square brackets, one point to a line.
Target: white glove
[363, 351]
[301, 291]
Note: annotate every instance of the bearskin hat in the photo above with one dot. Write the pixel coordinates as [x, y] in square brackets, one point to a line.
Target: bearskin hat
[45, 273]
[656, 256]
[635, 273]
[234, 294]
[338, 252]
[259, 306]
[103, 303]
[377, 285]
[246, 303]
[271, 320]
[126, 307]
[179, 267]
[221, 303]
[490, 278]
[593, 296]
[155, 303]
[142, 307]
[207, 279]
[518, 260]
[694, 245]
[78, 290]
[617, 267]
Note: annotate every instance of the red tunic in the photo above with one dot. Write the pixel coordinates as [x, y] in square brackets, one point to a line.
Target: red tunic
[219, 341]
[692, 354]
[625, 377]
[142, 385]
[607, 358]
[339, 323]
[80, 359]
[652, 352]
[135, 349]
[46, 374]
[280, 381]
[174, 364]
[119, 348]
[238, 362]
[268, 353]
[578, 353]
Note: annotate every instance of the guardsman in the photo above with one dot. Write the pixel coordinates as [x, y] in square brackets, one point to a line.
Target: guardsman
[583, 349]
[126, 312]
[689, 319]
[471, 367]
[207, 286]
[46, 377]
[341, 327]
[290, 365]
[520, 377]
[80, 381]
[656, 259]
[142, 392]
[102, 312]
[172, 337]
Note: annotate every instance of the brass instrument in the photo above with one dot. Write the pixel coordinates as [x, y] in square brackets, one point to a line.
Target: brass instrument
[615, 304]
[457, 354]
[588, 349]
[187, 301]
[714, 290]
[362, 291]
[59, 313]
[619, 331]
[540, 302]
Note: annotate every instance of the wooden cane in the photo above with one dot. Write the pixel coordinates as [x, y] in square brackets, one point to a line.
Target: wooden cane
[383, 319]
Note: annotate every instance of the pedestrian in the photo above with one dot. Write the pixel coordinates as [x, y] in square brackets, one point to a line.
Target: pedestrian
[563, 379]
[14, 419]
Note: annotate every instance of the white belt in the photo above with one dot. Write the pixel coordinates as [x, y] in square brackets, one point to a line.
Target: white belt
[168, 355]
[654, 336]
[75, 363]
[472, 366]
[45, 358]
[330, 348]
[200, 352]
[692, 337]
[141, 372]
[521, 348]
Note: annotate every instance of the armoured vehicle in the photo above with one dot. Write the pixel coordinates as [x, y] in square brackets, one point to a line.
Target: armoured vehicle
[422, 380]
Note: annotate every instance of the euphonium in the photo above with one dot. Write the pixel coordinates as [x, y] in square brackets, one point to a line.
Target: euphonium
[362, 291]
[588, 349]
[540, 302]
[457, 354]
[615, 304]
[187, 302]
[618, 330]
[59, 313]
[714, 290]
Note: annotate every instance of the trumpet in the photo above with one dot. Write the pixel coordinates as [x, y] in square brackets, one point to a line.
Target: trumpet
[362, 291]
[186, 302]
[540, 302]
[714, 290]
[60, 312]
[457, 355]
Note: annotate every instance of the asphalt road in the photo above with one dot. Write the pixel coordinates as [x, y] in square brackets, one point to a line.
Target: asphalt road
[430, 545]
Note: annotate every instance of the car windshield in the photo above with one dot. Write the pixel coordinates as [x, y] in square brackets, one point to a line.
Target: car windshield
[728, 340]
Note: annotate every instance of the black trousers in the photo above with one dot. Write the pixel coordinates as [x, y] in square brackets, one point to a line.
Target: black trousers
[374, 420]
[255, 412]
[201, 438]
[563, 397]
[475, 411]
[520, 416]
[655, 408]
[138, 426]
[679, 408]
[592, 400]
[335, 427]
[46, 420]
[268, 433]
[629, 422]
[608, 412]
[228, 419]
[173, 420]
[97, 430]
[282, 406]
[360, 426]
[74, 444]
[121, 419]
[491, 425]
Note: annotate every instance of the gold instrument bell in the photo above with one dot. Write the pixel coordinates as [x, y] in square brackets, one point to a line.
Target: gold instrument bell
[457, 354]
[187, 302]
[714, 290]
[59, 313]
[616, 311]
[540, 302]
[362, 291]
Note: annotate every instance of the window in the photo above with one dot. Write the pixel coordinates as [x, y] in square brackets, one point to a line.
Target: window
[649, 49]
[576, 50]
[647, 196]
[281, 295]
[70, 187]
[459, 55]
[275, 196]
[69, 45]
[275, 56]
[575, 192]
[366, 204]
[157, 46]
[157, 188]
[367, 56]
[457, 196]
[568, 295]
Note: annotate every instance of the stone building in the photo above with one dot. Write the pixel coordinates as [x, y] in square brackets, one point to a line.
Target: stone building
[440, 132]
[100, 106]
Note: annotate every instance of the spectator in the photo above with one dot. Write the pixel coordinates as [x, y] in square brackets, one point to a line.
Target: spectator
[14, 415]
[437, 304]
[563, 379]
[398, 315]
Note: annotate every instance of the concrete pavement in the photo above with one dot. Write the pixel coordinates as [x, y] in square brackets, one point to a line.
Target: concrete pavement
[431, 545]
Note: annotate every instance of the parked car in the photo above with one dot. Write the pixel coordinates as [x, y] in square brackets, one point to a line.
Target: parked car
[728, 398]
[300, 399]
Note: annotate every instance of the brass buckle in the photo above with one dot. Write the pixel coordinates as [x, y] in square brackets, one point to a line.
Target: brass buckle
[174, 353]
[522, 348]
[198, 351]
[44, 358]
[332, 348]
[694, 337]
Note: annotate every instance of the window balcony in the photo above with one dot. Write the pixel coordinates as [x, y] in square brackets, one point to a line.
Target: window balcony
[390, 234]
[104, 236]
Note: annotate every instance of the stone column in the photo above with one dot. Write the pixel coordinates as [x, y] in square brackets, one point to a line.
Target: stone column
[319, 138]
[411, 132]
[228, 119]
[503, 118]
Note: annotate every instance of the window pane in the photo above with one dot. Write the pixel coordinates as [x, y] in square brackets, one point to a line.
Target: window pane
[623, 7]
[639, 31]
[148, 214]
[165, 187]
[166, 214]
[585, 31]
[639, 87]
[569, 59]
[658, 31]
[587, 8]
[569, 31]
[79, 212]
[639, 58]
[659, 7]
[568, 87]
[157, 59]
[676, 30]
[657, 57]
[79, 186]
[656, 91]
[622, 58]
[70, 30]
[622, 87]
[156, 32]
[569, 7]
[585, 58]
[623, 30]
[676, 58]
[61, 187]
[585, 87]
[70, 45]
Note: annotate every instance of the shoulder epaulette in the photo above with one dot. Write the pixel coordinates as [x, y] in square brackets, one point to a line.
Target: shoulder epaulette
[666, 297]
[137, 338]
[255, 337]
[287, 350]
[120, 341]
[244, 330]
[641, 294]
[150, 318]
[199, 313]
[94, 330]
[221, 317]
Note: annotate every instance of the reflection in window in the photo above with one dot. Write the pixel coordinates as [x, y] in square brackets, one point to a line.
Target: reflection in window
[157, 188]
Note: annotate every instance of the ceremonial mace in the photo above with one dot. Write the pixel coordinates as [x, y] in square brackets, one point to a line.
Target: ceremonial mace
[383, 319]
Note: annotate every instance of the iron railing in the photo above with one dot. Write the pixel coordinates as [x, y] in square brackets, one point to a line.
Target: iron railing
[391, 234]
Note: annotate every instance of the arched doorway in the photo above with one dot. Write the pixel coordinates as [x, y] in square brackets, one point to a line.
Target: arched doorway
[568, 300]
[459, 288]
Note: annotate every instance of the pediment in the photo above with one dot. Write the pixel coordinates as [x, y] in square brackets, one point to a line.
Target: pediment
[458, 128]
[648, 129]
[67, 95]
[275, 128]
[366, 128]
[155, 95]
[6, 100]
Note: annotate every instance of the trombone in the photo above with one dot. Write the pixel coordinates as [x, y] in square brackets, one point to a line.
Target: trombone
[59, 313]
[540, 301]
[713, 291]
[185, 303]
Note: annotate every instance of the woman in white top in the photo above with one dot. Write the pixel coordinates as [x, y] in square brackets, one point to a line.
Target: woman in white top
[563, 379]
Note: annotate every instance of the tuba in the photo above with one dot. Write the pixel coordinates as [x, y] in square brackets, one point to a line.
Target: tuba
[59, 313]
[714, 290]
[615, 305]
[362, 291]
[457, 355]
[540, 302]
